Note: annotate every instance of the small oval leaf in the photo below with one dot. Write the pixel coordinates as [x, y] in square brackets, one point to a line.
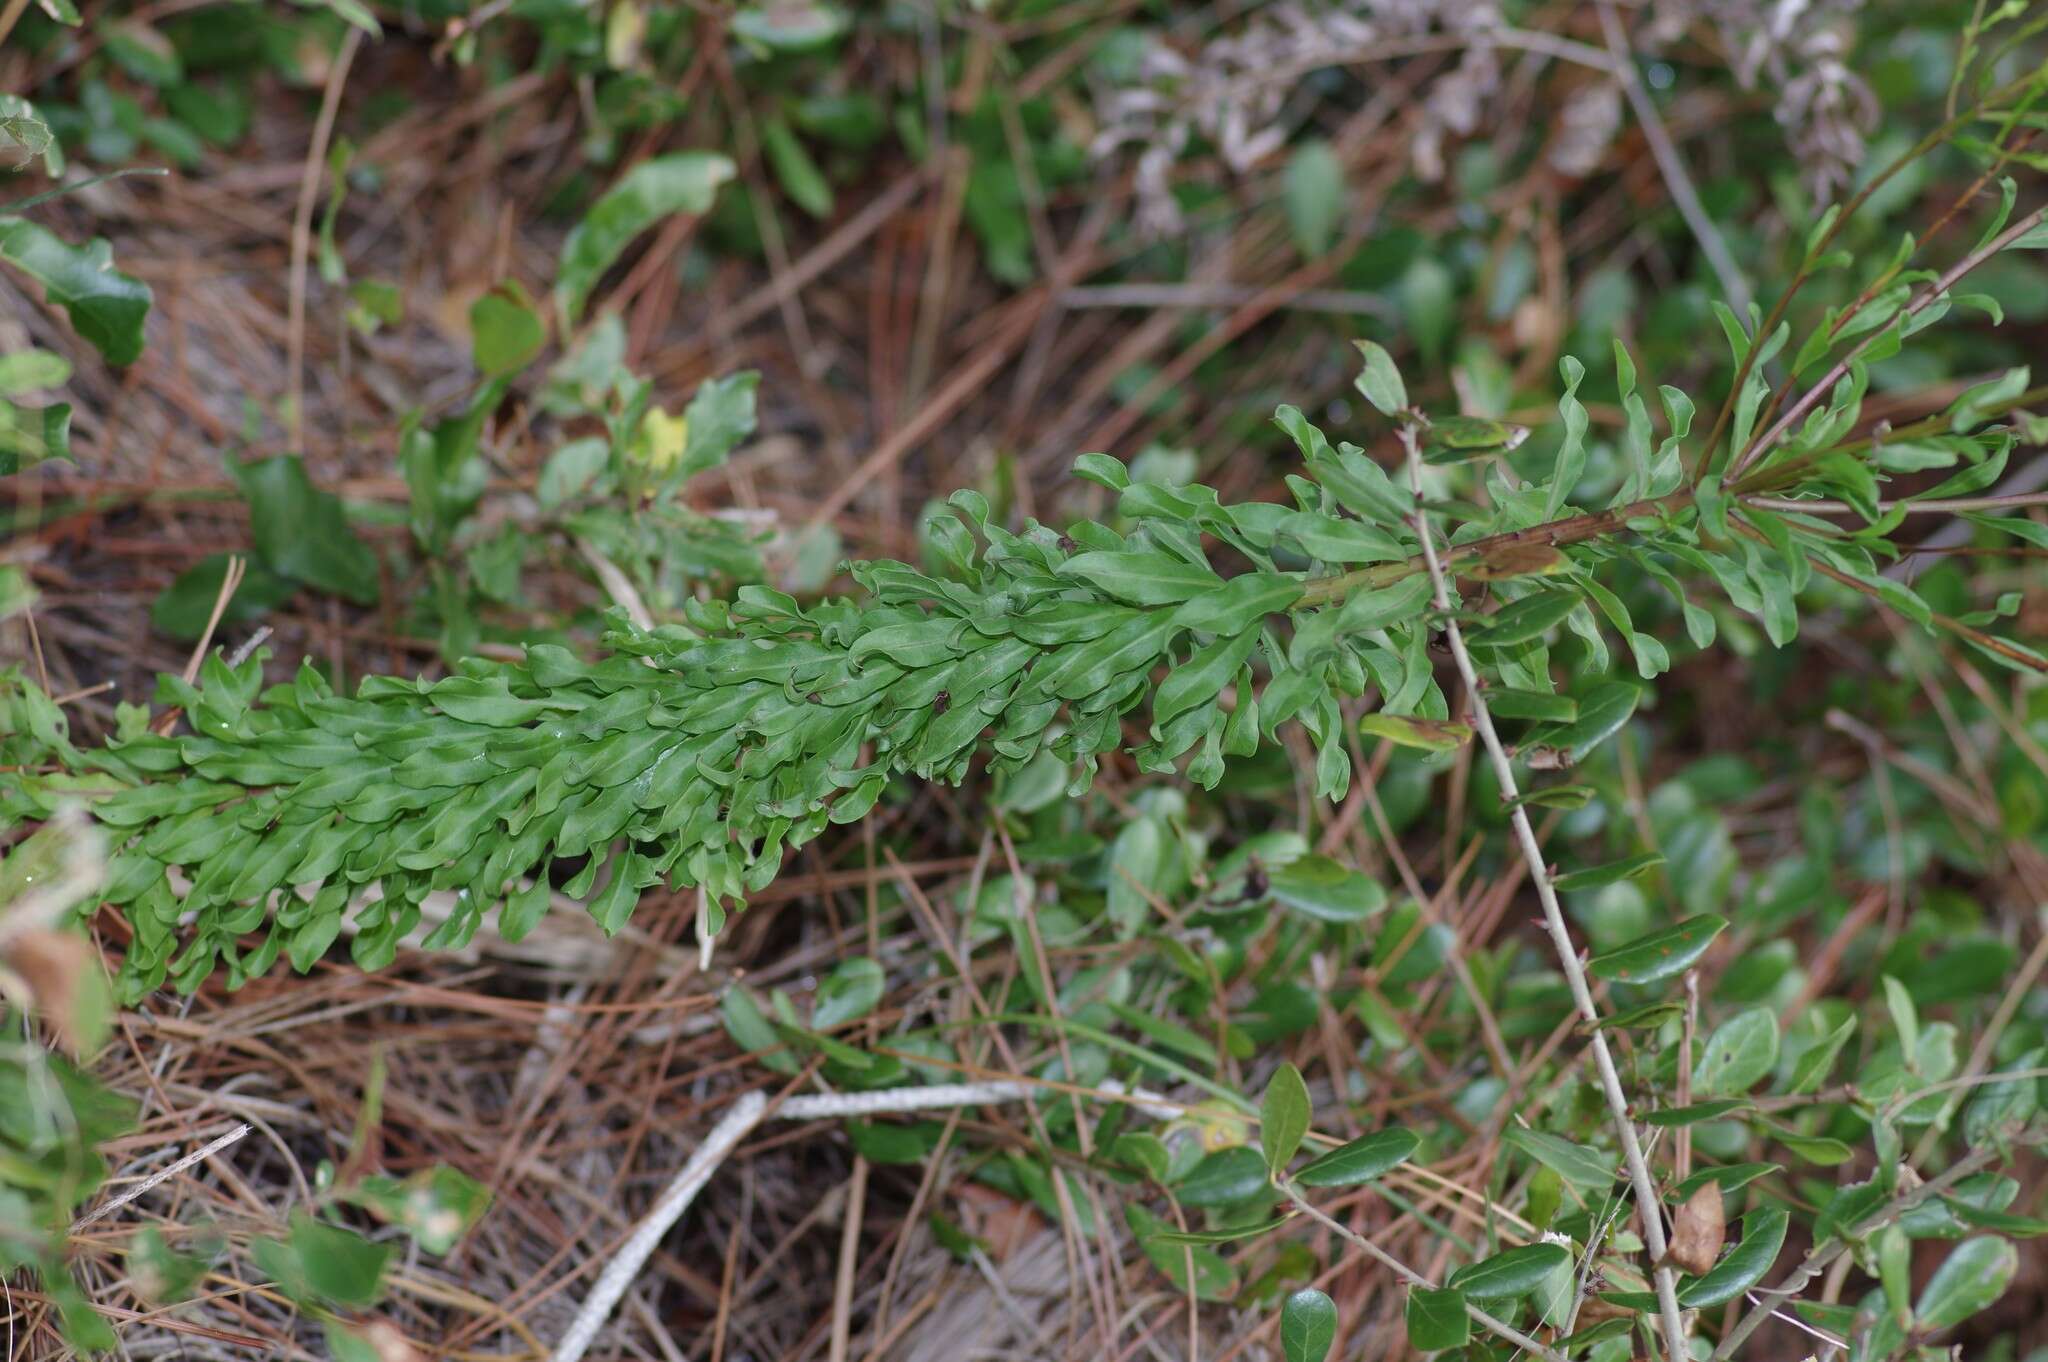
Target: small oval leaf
[1661, 954]
[1969, 1279]
[1308, 1325]
[1283, 1117]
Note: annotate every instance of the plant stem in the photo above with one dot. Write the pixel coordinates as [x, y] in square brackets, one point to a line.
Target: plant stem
[1683, 196]
[1414, 1278]
[1820, 249]
[1648, 1204]
[1570, 530]
[1937, 504]
[1812, 396]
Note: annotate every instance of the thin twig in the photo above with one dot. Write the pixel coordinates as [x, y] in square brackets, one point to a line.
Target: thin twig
[11, 16]
[162, 1175]
[1672, 167]
[634, 1253]
[1951, 505]
[1413, 1278]
[746, 1113]
[302, 238]
[1648, 1204]
[1939, 288]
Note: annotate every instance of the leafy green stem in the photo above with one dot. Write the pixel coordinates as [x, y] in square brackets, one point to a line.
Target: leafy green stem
[1806, 401]
[1648, 1202]
[1575, 529]
[1818, 249]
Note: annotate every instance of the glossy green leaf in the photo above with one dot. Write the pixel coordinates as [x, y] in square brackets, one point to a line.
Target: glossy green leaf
[1283, 1117]
[1973, 1276]
[1732, 1177]
[1513, 1273]
[1824, 1150]
[1436, 1319]
[1613, 872]
[1815, 1062]
[1576, 1163]
[1360, 1161]
[1224, 1178]
[1693, 1114]
[1143, 1151]
[106, 306]
[1661, 954]
[1739, 1054]
[1308, 1326]
[1326, 890]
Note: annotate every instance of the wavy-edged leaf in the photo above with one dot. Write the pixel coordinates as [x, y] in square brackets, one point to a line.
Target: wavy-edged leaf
[1405, 730]
[106, 306]
[681, 182]
[1142, 577]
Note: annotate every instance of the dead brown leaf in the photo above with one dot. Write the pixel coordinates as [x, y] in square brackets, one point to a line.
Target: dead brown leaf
[1699, 1230]
[62, 971]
